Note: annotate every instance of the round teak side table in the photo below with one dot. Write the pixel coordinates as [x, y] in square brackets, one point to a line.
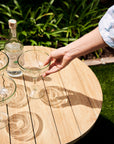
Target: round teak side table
[70, 105]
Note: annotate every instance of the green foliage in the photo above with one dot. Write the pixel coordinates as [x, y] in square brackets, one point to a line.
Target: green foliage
[50, 23]
[2, 42]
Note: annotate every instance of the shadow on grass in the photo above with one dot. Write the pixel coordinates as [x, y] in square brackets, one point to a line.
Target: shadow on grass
[103, 131]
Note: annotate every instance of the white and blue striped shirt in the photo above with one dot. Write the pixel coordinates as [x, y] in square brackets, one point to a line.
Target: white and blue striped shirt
[106, 27]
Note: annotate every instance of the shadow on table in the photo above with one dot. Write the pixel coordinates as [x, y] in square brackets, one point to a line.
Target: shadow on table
[21, 128]
[19, 99]
[102, 132]
[60, 97]
[30, 79]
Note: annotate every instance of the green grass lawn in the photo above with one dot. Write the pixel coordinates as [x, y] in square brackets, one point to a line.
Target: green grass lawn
[103, 130]
[105, 74]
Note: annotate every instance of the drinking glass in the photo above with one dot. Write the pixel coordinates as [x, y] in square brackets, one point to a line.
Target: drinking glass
[33, 67]
[7, 88]
[4, 61]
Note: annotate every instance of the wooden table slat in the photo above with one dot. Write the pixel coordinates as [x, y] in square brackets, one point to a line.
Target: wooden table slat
[4, 135]
[90, 84]
[44, 127]
[63, 115]
[79, 98]
[20, 121]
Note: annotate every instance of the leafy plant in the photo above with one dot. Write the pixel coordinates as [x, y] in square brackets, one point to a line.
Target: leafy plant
[50, 23]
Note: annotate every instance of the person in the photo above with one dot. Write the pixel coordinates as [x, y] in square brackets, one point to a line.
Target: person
[100, 37]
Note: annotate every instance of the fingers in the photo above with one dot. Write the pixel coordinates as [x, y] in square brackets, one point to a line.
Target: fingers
[48, 60]
[56, 57]
[56, 54]
[53, 68]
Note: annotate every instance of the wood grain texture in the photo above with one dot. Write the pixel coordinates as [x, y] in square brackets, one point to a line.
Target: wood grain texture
[70, 105]
[81, 86]
[21, 130]
[4, 135]
[46, 126]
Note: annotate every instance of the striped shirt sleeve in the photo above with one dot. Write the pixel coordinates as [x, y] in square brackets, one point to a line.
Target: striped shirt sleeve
[106, 27]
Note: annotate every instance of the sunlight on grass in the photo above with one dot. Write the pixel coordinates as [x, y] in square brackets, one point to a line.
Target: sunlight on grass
[105, 75]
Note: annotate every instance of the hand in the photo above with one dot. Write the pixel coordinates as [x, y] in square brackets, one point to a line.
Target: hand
[59, 59]
[84, 45]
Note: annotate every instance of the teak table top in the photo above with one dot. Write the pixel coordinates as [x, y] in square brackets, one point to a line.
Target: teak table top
[70, 106]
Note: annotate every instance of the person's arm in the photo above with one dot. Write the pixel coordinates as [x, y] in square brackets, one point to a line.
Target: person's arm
[98, 38]
[84, 45]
